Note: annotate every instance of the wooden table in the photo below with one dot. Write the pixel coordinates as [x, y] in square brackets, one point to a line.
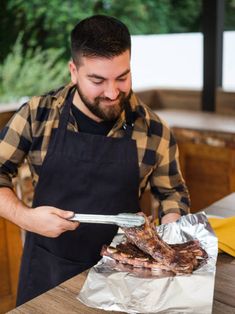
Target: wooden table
[62, 299]
[224, 294]
[223, 208]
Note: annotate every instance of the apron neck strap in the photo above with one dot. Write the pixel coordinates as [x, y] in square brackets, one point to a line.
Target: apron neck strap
[64, 119]
[130, 117]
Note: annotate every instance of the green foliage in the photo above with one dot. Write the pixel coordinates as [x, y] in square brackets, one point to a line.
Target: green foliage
[48, 23]
[154, 17]
[229, 19]
[37, 61]
[32, 73]
[185, 16]
[141, 17]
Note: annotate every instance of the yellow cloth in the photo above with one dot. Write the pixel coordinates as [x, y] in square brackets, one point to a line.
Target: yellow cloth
[224, 229]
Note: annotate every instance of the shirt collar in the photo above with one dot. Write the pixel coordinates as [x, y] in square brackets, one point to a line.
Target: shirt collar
[61, 94]
[139, 108]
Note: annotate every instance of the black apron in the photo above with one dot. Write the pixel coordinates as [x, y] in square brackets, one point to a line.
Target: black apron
[83, 173]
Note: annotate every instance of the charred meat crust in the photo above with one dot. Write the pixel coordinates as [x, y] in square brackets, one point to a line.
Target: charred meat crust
[145, 248]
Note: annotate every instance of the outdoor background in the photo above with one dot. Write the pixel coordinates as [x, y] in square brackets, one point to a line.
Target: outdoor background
[34, 40]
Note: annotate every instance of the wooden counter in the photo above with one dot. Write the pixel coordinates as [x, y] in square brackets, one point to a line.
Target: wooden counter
[207, 153]
[62, 299]
[10, 255]
[224, 208]
[198, 120]
[224, 301]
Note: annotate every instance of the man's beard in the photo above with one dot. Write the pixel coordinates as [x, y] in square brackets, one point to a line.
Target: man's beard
[105, 113]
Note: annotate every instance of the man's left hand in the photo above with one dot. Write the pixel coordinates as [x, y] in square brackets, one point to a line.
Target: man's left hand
[171, 217]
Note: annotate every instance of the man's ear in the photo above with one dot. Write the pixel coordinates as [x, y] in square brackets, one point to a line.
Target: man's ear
[73, 71]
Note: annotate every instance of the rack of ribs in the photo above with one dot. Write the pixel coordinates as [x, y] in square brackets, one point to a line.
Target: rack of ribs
[144, 248]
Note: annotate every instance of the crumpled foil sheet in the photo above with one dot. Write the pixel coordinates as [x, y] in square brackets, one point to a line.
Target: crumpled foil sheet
[109, 289]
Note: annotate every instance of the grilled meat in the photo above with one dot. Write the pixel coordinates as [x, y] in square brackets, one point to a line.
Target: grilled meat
[145, 248]
[147, 240]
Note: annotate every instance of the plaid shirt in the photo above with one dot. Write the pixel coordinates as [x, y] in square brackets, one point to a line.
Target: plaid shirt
[28, 132]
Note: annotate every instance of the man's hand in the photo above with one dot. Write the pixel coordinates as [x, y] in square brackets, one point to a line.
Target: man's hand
[171, 217]
[47, 221]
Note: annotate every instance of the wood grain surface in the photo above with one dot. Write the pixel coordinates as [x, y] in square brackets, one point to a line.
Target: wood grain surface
[62, 299]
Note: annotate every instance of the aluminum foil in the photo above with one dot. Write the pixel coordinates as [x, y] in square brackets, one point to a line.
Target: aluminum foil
[108, 288]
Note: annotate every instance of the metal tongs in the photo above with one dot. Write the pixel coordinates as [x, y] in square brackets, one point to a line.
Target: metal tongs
[125, 220]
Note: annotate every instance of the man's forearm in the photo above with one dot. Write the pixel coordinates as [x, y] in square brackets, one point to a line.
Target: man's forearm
[45, 220]
[11, 208]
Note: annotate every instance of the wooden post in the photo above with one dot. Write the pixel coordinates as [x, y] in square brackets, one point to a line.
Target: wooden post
[213, 24]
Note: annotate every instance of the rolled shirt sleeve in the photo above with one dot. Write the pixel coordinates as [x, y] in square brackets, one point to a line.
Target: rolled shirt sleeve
[167, 183]
[15, 142]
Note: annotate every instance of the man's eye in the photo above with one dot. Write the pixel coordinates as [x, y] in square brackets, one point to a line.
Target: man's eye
[122, 79]
[97, 82]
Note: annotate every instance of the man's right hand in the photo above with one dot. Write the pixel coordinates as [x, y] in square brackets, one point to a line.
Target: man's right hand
[47, 220]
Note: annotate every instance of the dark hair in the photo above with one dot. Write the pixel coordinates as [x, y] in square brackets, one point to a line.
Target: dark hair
[99, 35]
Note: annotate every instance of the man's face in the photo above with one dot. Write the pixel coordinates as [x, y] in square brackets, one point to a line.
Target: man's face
[103, 84]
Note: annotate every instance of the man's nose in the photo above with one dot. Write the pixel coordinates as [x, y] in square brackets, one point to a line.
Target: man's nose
[111, 91]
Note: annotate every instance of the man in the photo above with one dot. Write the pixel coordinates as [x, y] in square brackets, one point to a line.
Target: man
[92, 147]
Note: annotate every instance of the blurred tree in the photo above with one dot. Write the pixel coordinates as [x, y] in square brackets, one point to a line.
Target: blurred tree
[229, 21]
[154, 17]
[23, 74]
[48, 23]
[8, 33]
[185, 16]
[147, 17]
